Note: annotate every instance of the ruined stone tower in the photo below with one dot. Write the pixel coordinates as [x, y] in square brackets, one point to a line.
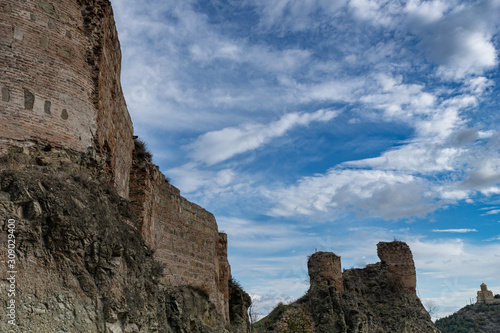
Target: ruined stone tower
[396, 256]
[325, 268]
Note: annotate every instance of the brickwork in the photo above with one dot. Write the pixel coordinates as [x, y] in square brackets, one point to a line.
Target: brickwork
[325, 267]
[45, 80]
[183, 235]
[398, 259]
[60, 80]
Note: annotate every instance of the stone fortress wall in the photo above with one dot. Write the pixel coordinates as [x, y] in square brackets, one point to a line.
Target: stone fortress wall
[60, 64]
[183, 235]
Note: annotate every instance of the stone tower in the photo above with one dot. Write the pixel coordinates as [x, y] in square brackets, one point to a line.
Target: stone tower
[325, 268]
[60, 81]
[397, 258]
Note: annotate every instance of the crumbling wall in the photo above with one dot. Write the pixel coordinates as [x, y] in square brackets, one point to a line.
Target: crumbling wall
[397, 258]
[183, 236]
[114, 125]
[324, 267]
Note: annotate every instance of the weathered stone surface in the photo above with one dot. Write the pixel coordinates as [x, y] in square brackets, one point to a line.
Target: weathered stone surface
[324, 267]
[5, 94]
[46, 7]
[81, 261]
[398, 258]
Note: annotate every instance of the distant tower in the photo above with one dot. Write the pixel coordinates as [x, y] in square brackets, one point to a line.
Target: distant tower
[325, 268]
[398, 259]
[484, 295]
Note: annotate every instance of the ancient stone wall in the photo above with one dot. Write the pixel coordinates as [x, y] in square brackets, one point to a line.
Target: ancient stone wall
[398, 259]
[183, 235]
[60, 80]
[45, 79]
[325, 267]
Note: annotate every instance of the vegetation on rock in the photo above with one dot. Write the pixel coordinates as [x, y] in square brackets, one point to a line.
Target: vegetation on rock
[477, 318]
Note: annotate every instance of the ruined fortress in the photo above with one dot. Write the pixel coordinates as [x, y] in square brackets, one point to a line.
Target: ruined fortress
[396, 259]
[60, 87]
[380, 297]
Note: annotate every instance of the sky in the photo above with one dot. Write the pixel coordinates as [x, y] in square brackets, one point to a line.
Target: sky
[320, 125]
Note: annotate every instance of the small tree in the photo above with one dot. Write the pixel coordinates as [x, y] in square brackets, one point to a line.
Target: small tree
[431, 307]
[253, 316]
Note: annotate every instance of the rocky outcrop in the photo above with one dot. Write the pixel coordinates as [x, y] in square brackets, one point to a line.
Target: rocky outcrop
[378, 298]
[81, 263]
[239, 302]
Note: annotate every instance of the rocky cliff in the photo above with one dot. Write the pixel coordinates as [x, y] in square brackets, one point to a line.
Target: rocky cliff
[80, 262]
[378, 298]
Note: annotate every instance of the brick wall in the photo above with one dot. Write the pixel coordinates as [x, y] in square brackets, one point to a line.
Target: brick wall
[60, 80]
[45, 80]
[398, 259]
[324, 267]
[183, 235]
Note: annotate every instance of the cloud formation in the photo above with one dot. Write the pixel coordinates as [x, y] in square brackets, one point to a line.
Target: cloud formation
[217, 146]
[460, 231]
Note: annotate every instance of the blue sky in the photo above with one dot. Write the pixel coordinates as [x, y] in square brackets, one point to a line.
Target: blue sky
[328, 125]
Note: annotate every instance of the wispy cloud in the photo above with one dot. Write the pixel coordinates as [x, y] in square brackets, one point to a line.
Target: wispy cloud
[217, 146]
[460, 231]
[492, 212]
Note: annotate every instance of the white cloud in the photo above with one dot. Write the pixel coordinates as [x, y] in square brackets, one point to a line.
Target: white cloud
[296, 15]
[493, 212]
[217, 146]
[384, 193]
[189, 177]
[459, 40]
[461, 231]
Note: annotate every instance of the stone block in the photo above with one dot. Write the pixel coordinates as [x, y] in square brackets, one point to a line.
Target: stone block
[18, 34]
[5, 94]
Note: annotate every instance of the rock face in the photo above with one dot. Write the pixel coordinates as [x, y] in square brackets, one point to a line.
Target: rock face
[82, 265]
[378, 298]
